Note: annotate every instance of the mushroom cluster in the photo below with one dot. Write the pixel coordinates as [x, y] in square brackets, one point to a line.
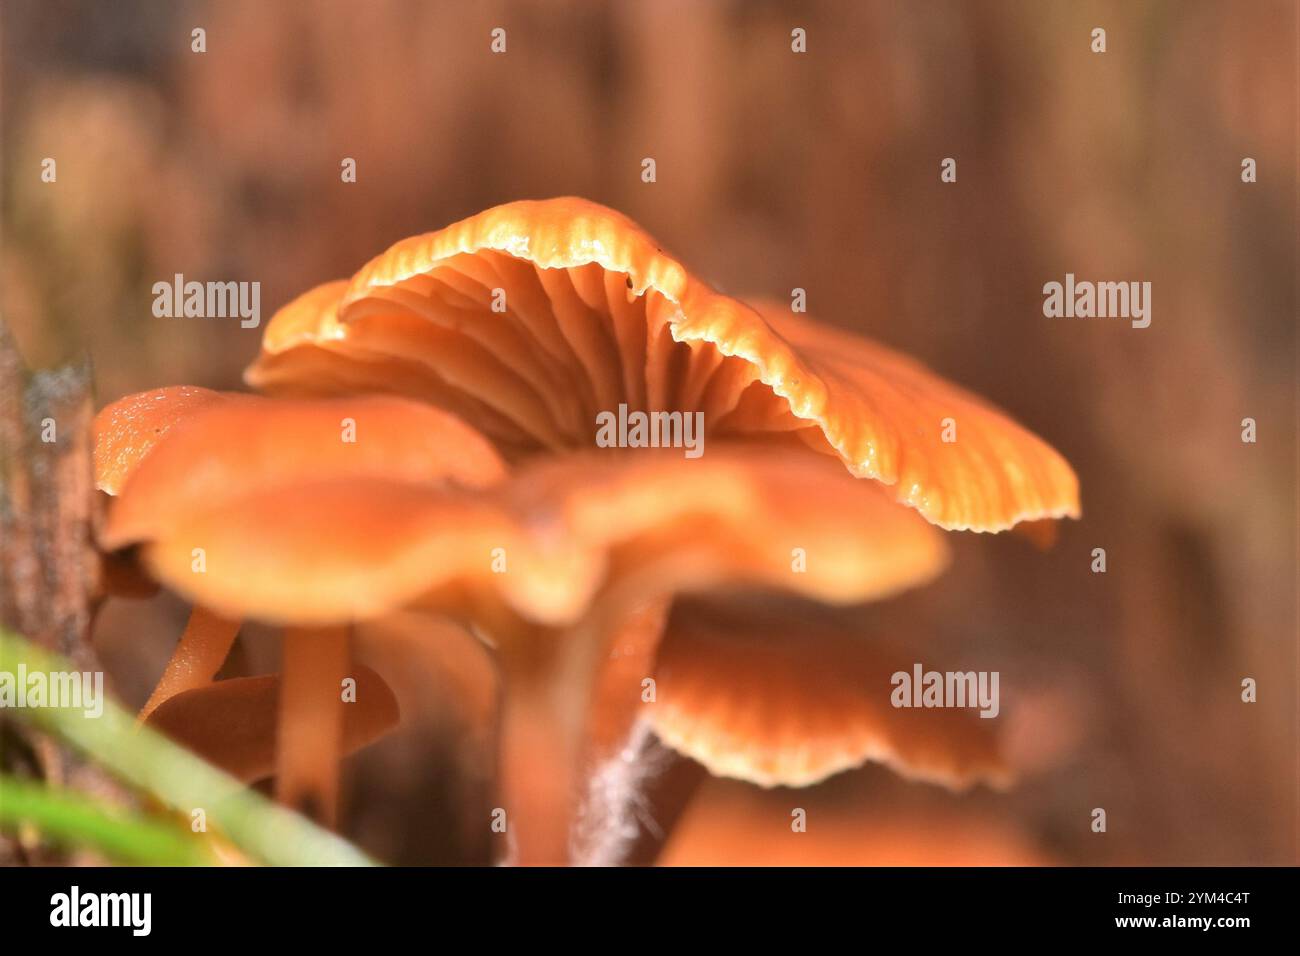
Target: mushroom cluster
[425, 441]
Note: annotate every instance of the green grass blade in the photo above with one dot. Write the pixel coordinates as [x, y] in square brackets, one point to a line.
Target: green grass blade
[266, 832]
[70, 819]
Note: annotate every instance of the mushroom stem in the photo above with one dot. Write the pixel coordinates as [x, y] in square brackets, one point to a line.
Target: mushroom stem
[545, 684]
[536, 777]
[634, 787]
[309, 738]
[199, 654]
[633, 800]
[582, 779]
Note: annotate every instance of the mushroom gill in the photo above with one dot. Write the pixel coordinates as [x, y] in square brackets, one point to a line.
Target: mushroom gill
[533, 317]
[779, 700]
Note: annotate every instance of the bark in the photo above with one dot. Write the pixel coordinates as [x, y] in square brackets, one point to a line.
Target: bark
[48, 564]
[47, 561]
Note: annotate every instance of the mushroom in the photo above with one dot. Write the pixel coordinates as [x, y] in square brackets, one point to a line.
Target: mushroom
[333, 548]
[124, 433]
[528, 322]
[755, 687]
[533, 318]
[213, 451]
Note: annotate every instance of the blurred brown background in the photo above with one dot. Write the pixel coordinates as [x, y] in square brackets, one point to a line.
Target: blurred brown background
[778, 170]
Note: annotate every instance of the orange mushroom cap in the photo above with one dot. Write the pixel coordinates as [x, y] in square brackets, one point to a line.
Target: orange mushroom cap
[573, 531]
[596, 314]
[326, 552]
[232, 723]
[731, 825]
[651, 524]
[230, 449]
[126, 431]
[780, 701]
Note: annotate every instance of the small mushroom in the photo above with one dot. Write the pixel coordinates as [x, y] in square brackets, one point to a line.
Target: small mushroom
[124, 434]
[227, 451]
